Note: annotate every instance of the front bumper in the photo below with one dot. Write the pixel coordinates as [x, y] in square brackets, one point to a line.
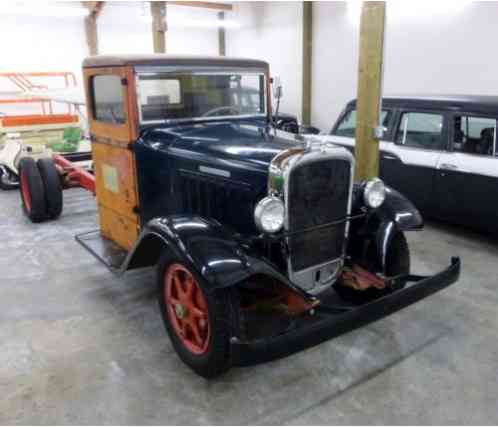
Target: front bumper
[334, 323]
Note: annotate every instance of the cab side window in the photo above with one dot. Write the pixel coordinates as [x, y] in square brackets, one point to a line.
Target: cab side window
[347, 125]
[108, 100]
[421, 130]
[474, 135]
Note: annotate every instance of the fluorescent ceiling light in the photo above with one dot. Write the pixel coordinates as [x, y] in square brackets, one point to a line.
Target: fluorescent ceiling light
[196, 23]
[38, 9]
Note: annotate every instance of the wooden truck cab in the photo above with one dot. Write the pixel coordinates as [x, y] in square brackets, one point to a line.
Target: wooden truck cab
[112, 116]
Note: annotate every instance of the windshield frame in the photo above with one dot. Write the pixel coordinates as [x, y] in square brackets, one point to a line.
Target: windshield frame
[257, 71]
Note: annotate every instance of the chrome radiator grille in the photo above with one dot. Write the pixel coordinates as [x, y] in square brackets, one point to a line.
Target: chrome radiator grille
[318, 193]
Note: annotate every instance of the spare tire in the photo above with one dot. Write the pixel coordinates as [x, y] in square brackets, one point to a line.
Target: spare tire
[53, 188]
[32, 190]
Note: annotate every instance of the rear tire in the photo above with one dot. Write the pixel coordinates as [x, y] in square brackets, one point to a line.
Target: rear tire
[397, 263]
[210, 357]
[32, 190]
[53, 188]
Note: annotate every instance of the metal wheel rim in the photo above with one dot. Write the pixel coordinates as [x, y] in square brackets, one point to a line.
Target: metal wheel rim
[187, 309]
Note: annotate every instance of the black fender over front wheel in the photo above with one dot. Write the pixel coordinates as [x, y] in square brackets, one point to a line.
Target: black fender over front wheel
[199, 323]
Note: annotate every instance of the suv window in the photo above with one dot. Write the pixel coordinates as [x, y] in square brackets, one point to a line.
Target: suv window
[421, 130]
[474, 135]
[108, 101]
[347, 125]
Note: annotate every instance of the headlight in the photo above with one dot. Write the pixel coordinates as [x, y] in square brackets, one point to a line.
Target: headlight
[269, 214]
[374, 193]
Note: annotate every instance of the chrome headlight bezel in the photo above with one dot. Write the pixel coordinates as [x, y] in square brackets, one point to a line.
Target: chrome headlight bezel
[263, 208]
[374, 193]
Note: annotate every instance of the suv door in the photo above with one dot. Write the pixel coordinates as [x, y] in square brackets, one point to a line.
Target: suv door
[467, 179]
[409, 164]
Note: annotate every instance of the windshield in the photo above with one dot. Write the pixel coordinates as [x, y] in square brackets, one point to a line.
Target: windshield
[171, 96]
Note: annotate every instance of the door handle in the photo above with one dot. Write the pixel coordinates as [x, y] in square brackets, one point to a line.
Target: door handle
[388, 157]
[448, 166]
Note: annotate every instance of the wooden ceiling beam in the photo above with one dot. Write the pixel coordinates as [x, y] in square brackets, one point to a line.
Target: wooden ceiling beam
[203, 4]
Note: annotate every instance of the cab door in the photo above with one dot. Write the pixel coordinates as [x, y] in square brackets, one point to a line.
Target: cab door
[112, 116]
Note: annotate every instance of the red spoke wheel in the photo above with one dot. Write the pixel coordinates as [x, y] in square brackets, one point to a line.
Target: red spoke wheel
[32, 190]
[199, 322]
[26, 198]
[187, 308]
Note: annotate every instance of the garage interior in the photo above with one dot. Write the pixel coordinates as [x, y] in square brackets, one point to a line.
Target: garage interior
[81, 346]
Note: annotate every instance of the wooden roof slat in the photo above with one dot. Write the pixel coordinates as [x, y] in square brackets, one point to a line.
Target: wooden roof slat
[203, 4]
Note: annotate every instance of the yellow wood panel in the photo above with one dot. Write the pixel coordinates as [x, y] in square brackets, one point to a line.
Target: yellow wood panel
[115, 178]
[114, 163]
[117, 228]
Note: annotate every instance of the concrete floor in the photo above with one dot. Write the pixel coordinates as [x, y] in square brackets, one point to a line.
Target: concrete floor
[79, 346]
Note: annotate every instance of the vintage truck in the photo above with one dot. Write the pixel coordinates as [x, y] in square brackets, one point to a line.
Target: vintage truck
[264, 245]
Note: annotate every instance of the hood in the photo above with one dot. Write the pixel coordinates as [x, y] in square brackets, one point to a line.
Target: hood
[230, 140]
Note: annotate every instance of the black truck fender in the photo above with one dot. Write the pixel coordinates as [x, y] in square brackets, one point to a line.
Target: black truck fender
[396, 214]
[205, 246]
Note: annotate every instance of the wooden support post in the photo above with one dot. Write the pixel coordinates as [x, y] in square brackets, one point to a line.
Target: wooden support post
[159, 27]
[221, 35]
[369, 88]
[307, 50]
[92, 39]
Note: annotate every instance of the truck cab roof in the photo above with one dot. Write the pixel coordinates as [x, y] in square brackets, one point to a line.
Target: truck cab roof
[172, 60]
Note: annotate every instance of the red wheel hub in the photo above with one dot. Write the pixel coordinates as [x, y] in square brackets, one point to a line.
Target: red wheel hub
[25, 191]
[187, 309]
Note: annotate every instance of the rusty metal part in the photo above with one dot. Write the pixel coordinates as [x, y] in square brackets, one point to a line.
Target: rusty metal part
[360, 279]
[282, 298]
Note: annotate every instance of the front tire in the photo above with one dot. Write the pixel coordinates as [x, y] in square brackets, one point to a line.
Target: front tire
[199, 323]
[32, 190]
[397, 264]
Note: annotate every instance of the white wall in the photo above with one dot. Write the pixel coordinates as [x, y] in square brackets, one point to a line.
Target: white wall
[59, 43]
[272, 31]
[431, 47]
[123, 29]
[41, 43]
